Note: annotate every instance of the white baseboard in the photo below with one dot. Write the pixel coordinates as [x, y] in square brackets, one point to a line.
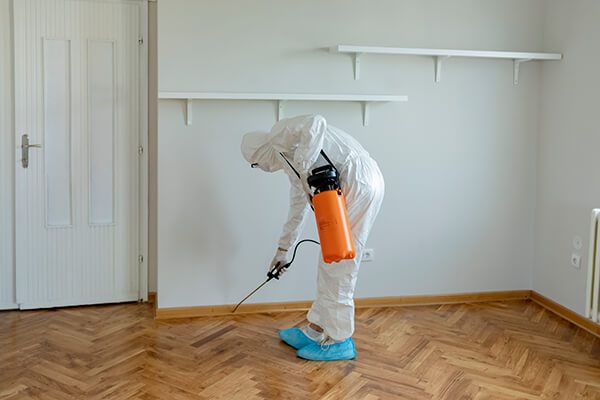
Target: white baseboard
[9, 306]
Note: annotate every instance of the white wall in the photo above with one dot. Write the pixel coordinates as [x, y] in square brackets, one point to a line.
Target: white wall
[460, 182]
[459, 158]
[7, 276]
[569, 145]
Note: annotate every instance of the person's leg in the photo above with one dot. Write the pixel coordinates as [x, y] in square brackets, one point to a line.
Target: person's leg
[333, 308]
[332, 312]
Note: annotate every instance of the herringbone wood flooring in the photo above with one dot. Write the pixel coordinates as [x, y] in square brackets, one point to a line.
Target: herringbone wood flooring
[468, 351]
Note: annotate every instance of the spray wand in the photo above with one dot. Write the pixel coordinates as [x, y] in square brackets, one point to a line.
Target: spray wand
[276, 272]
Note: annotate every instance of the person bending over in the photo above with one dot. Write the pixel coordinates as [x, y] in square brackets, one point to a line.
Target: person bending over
[299, 141]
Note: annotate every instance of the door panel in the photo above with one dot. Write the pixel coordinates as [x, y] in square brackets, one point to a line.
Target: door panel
[102, 107]
[56, 60]
[77, 94]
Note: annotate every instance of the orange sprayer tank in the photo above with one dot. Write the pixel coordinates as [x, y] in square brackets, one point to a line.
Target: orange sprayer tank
[334, 229]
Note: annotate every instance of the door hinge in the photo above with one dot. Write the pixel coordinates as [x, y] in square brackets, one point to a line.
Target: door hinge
[140, 40]
[140, 259]
[140, 150]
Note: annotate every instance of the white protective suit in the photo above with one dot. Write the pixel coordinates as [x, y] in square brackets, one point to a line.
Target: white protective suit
[301, 139]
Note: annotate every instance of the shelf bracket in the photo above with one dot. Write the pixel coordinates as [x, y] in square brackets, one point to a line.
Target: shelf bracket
[280, 104]
[188, 112]
[438, 67]
[357, 66]
[365, 112]
[516, 66]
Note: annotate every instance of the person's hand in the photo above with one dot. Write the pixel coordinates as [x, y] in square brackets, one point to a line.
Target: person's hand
[281, 258]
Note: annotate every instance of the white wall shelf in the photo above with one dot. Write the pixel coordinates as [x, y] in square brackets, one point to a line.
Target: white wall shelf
[439, 54]
[281, 98]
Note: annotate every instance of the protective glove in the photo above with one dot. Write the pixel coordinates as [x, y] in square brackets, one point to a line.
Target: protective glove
[281, 258]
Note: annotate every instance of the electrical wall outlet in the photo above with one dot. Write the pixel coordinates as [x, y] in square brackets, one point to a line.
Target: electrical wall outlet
[368, 255]
[577, 242]
[575, 260]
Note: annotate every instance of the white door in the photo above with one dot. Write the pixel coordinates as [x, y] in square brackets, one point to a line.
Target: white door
[78, 95]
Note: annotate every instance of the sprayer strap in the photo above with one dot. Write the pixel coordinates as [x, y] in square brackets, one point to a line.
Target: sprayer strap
[291, 166]
[298, 174]
[310, 197]
[329, 161]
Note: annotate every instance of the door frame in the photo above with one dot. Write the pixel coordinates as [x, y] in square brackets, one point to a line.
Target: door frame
[142, 153]
[143, 156]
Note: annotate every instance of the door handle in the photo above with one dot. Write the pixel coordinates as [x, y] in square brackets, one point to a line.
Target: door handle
[25, 146]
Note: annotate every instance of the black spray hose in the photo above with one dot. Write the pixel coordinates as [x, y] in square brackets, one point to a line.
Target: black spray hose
[276, 272]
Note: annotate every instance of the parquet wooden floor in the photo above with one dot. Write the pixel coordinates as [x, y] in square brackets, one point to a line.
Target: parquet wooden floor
[501, 350]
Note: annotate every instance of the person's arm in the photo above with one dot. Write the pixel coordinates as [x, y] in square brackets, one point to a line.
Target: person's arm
[296, 217]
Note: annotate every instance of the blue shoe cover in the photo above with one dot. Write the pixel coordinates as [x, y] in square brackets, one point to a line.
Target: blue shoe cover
[329, 352]
[295, 338]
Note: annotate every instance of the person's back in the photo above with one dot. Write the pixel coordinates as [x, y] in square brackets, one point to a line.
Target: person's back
[341, 147]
